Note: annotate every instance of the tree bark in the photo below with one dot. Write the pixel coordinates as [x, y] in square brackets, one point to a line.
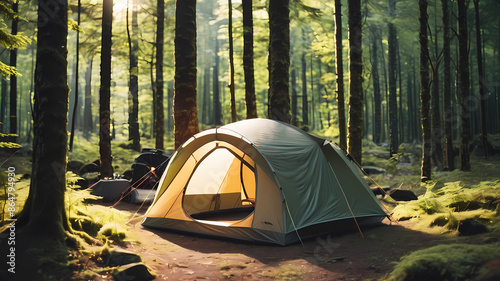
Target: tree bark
[215, 86]
[294, 101]
[43, 222]
[105, 90]
[231, 62]
[248, 65]
[279, 60]
[449, 155]
[133, 96]
[437, 134]
[159, 109]
[392, 67]
[13, 80]
[339, 68]
[185, 108]
[88, 124]
[425, 93]
[77, 63]
[355, 127]
[463, 86]
[482, 96]
[305, 103]
[376, 87]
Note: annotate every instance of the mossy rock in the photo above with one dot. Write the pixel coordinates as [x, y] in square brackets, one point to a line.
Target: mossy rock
[113, 231]
[118, 257]
[134, 271]
[86, 224]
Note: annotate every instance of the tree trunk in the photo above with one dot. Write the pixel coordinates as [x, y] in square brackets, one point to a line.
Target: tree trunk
[77, 64]
[482, 96]
[339, 67]
[425, 93]
[449, 156]
[294, 102]
[13, 80]
[305, 103]
[355, 136]
[463, 86]
[133, 96]
[437, 134]
[105, 90]
[231, 62]
[392, 67]
[376, 87]
[159, 110]
[88, 124]
[248, 65]
[3, 103]
[43, 223]
[185, 108]
[279, 60]
[401, 119]
[215, 86]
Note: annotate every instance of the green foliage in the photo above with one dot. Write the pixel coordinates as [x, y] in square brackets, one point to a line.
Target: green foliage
[105, 223]
[444, 206]
[10, 41]
[73, 25]
[445, 262]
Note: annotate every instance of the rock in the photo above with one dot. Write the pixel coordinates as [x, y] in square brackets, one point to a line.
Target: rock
[117, 257]
[134, 271]
[74, 166]
[89, 168]
[402, 195]
[471, 227]
[374, 170]
[380, 190]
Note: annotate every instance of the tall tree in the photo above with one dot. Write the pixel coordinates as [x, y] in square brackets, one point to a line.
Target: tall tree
[425, 93]
[480, 70]
[13, 78]
[355, 127]
[279, 60]
[339, 68]
[77, 68]
[133, 87]
[185, 108]
[159, 109]
[215, 86]
[437, 151]
[231, 61]
[305, 103]
[377, 126]
[105, 90]
[248, 65]
[43, 222]
[463, 86]
[449, 157]
[392, 69]
[88, 123]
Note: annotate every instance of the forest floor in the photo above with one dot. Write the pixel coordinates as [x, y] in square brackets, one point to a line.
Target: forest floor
[371, 255]
[174, 256]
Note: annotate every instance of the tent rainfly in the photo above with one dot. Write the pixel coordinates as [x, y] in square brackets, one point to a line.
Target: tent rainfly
[261, 180]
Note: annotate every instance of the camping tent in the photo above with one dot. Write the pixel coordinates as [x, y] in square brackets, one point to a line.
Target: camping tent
[261, 180]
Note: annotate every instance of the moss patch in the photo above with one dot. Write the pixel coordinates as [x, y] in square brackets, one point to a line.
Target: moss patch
[445, 262]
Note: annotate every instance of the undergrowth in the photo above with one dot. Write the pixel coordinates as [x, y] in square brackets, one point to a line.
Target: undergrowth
[446, 262]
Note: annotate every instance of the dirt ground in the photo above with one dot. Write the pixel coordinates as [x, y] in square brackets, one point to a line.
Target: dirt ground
[352, 256]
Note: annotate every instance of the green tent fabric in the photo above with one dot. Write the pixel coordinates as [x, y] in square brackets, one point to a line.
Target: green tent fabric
[261, 180]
